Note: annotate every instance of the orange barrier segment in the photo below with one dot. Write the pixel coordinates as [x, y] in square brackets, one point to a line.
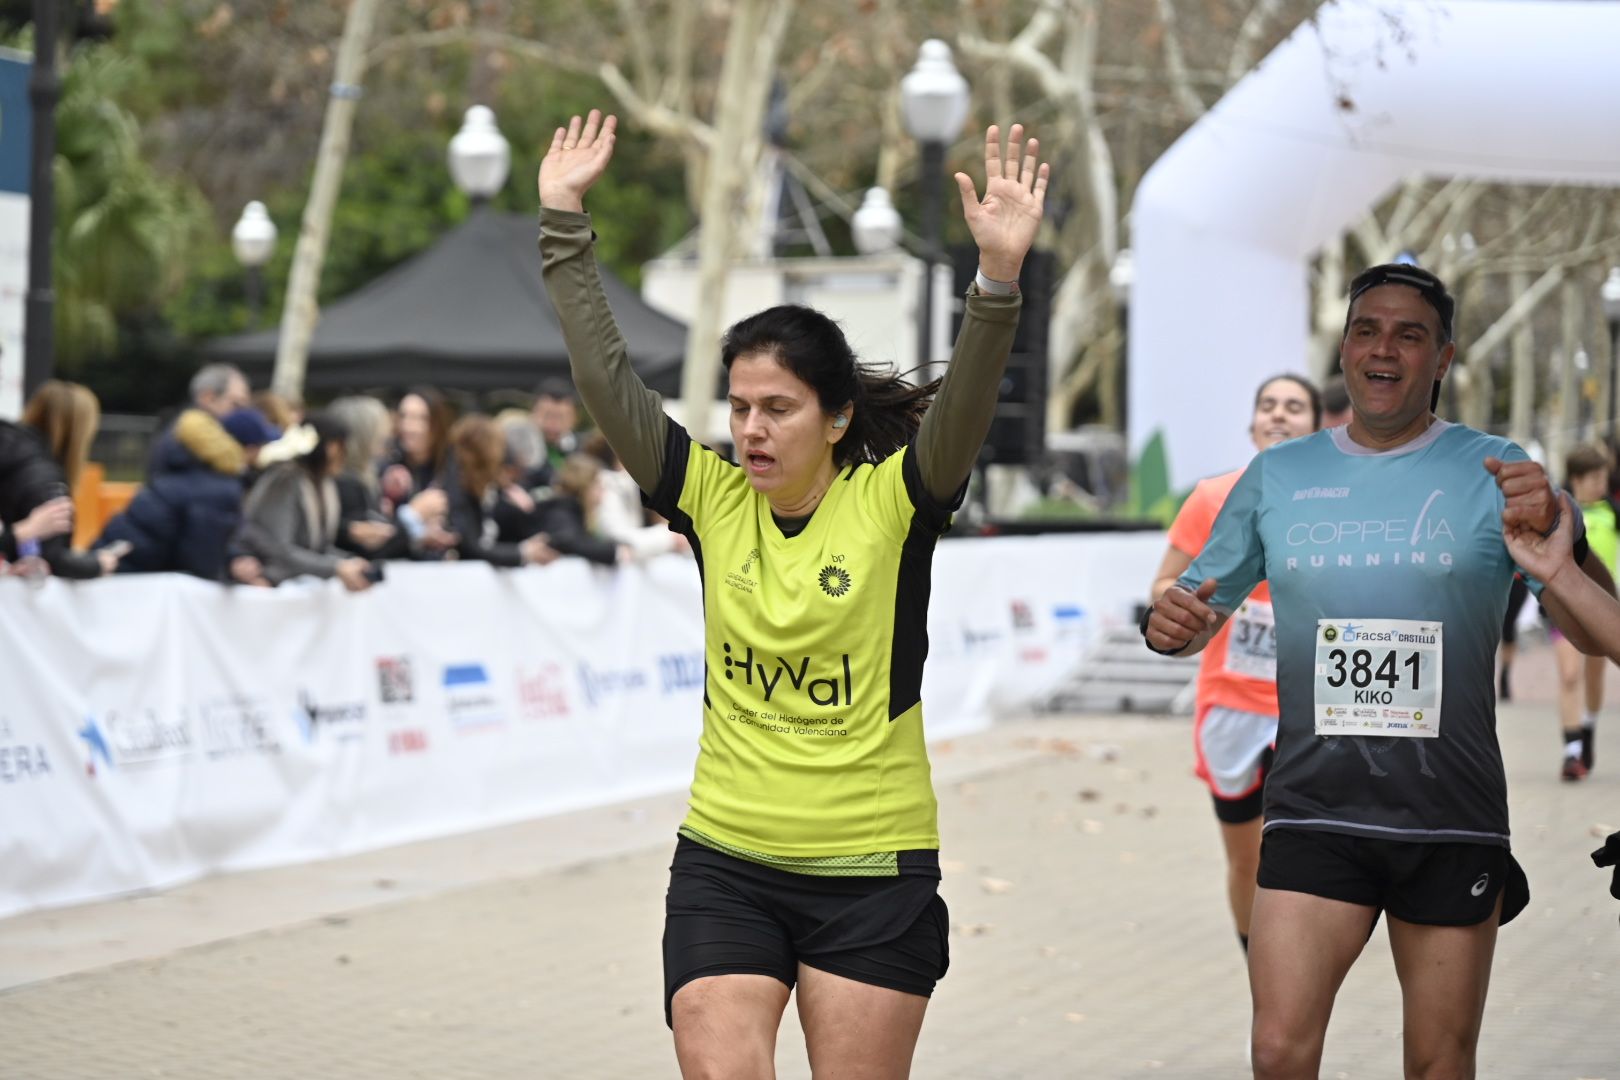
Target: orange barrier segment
[96, 500]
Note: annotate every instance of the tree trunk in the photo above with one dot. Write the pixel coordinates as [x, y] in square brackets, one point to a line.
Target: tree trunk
[1567, 433]
[1522, 411]
[300, 313]
[752, 43]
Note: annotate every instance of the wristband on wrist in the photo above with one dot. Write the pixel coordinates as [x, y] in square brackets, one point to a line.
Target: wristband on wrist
[1147, 613]
[989, 286]
[1558, 515]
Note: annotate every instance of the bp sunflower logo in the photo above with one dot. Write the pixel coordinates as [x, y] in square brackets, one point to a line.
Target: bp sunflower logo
[1330, 634]
[834, 580]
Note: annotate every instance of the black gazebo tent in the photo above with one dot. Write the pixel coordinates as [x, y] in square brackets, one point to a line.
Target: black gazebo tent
[467, 314]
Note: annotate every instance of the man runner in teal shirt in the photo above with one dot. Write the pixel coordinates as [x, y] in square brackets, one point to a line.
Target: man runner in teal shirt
[1382, 543]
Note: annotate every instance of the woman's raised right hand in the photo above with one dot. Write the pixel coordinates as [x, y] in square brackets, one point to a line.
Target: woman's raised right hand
[579, 155]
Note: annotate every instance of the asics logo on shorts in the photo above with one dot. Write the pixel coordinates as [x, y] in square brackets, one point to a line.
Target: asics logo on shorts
[1481, 885]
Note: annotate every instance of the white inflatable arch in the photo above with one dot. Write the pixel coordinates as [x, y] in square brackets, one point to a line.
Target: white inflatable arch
[1225, 222]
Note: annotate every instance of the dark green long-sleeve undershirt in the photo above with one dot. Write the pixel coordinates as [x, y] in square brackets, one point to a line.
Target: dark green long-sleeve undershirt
[632, 416]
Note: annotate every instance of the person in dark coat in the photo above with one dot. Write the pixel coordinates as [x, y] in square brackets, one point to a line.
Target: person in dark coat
[182, 521]
[478, 509]
[567, 518]
[42, 459]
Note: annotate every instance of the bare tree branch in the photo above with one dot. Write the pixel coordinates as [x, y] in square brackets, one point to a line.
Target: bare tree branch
[489, 39]
[1187, 99]
[633, 24]
[1242, 57]
[1523, 306]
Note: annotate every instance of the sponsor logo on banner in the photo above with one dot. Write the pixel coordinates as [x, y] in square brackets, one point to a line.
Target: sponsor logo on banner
[233, 726]
[395, 686]
[21, 759]
[680, 671]
[407, 741]
[976, 639]
[327, 720]
[469, 696]
[543, 692]
[132, 738]
[600, 684]
[1070, 620]
[1023, 618]
[396, 691]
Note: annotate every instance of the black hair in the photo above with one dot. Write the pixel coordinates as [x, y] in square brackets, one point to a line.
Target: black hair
[1304, 384]
[1428, 285]
[887, 408]
[328, 429]
[557, 389]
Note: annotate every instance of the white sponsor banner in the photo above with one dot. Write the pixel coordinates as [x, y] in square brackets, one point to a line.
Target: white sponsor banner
[13, 299]
[157, 728]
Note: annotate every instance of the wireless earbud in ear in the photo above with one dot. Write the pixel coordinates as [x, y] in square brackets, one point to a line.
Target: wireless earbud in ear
[840, 420]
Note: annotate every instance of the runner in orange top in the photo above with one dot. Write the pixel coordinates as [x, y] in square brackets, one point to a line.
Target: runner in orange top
[1235, 723]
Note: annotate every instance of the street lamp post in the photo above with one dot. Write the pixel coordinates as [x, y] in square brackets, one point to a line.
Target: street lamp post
[875, 227]
[934, 105]
[1121, 276]
[44, 91]
[253, 240]
[480, 157]
[1611, 310]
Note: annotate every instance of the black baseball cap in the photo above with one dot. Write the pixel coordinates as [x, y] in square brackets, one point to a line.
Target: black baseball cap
[1430, 287]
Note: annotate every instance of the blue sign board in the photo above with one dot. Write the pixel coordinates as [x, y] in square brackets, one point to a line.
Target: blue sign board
[16, 122]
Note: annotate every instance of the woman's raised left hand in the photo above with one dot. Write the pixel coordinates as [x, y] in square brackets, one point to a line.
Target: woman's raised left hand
[1005, 221]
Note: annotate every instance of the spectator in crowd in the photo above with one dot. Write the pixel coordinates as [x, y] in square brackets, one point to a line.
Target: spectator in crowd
[620, 516]
[216, 389]
[22, 480]
[473, 484]
[40, 463]
[555, 415]
[421, 434]
[364, 527]
[568, 517]
[183, 519]
[1580, 677]
[291, 517]
[220, 389]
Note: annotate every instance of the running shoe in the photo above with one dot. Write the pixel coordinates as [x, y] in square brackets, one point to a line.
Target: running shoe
[1573, 769]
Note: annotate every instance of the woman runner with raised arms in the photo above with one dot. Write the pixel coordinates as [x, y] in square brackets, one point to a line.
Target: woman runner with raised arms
[809, 855]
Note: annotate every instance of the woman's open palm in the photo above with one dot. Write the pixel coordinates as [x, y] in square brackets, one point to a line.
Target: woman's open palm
[1005, 221]
[578, 157]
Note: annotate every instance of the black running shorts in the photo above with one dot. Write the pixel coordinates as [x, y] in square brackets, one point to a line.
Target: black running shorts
[728, 916]
[1444, 884]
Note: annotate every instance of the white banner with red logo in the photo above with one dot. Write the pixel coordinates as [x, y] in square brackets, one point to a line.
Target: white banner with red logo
[157, 728]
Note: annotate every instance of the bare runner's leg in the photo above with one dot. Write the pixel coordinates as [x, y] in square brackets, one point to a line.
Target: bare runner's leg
[1444, 972]
[1300, 949]
[855, 1031]
[1242, 844]
[725, 1026]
